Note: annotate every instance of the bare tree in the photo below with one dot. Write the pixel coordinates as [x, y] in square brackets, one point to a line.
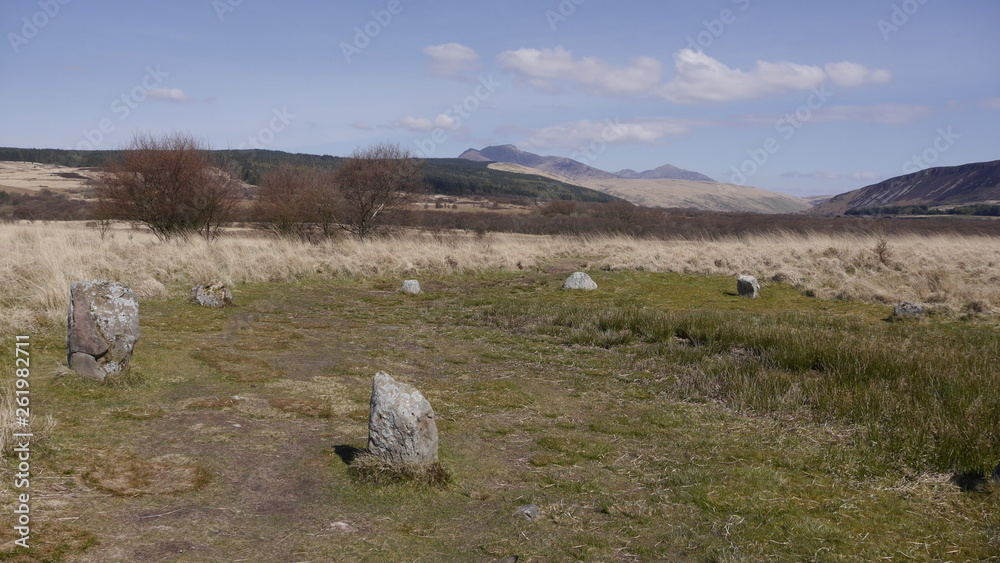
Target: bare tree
[284, 200]
[376, 185]
[170, 184]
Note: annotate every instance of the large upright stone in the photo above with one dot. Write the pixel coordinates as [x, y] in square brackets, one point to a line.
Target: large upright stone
[212, 294]
[907, 310]
[102, 328]
[410, 287]
[401, 428]
[580, 280]
[747, 286]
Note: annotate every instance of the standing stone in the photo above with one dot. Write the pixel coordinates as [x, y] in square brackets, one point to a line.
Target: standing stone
[907, 310]
[747, 286]
[213, 294]
[410, 287]
[102, 328]
[401, 428]
[580, 280]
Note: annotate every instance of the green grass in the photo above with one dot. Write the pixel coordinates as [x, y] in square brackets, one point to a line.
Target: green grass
[658, 418]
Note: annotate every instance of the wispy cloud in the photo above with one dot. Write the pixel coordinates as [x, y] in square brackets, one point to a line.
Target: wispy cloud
[423, 125]
[168, 94]
[991, 103]
[631, 132]
[827, 175]
[885, 114]
[451, 59]
[851, 75]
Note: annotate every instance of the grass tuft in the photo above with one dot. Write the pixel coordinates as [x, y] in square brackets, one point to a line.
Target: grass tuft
[372, 470]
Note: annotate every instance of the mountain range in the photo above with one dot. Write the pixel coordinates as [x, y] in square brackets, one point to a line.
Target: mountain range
[934, 187]
[575, 170]
[666, 186]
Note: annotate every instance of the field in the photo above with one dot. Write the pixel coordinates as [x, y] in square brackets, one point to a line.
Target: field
[661, 417]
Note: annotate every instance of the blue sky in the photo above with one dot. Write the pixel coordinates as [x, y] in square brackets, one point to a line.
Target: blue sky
[806, 98]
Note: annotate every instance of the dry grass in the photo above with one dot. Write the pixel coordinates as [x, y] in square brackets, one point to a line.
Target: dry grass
[953, 274]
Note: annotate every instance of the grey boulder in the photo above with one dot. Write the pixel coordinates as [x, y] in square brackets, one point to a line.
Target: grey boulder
[212, 294]
[580, 280]
[401, 428]
[410, 287]
[102, 328]
[747, 286]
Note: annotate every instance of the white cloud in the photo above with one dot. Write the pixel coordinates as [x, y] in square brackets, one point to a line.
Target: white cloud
[701, 78]
[451, 59]
[168, 94]
[850, 75]
[574, 135]
[423, 125]
[544, 69]
[414, 124]
[362, 126]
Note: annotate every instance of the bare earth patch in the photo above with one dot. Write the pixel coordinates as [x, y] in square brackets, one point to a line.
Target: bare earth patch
[125, 475]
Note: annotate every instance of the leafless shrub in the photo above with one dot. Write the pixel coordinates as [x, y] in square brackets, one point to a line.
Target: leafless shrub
[170, 184]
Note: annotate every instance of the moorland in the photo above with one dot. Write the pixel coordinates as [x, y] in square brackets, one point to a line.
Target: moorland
[661, 417]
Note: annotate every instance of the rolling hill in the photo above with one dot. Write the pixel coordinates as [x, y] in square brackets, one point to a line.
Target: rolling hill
[705, 196]
[935, 187]
[67, 170]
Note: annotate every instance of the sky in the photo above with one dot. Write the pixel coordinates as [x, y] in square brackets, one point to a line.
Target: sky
[805, 98]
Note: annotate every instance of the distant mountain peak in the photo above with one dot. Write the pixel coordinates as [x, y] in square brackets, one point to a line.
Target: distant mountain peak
[575, 170]
[665, 172]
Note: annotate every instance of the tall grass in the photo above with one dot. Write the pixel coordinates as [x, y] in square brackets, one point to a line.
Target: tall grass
[949, 273]
[926, 394]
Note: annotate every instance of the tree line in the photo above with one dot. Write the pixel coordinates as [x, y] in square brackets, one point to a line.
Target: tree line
[177, 187]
